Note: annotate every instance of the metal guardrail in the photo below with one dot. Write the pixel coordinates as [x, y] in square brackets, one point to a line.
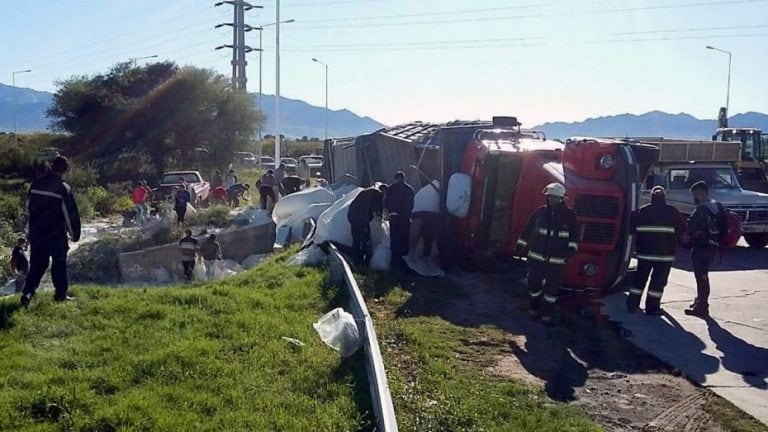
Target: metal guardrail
[381, 399]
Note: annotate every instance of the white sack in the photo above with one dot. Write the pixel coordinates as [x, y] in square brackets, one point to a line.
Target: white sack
[459, 194]
[232, 265]
[381, 257]
[339, 331]
[342, 190]
[191, 209]
[296, 221]
[427, 199]
[332, 225]
[299, 202]
[423, 266]
[199, 270]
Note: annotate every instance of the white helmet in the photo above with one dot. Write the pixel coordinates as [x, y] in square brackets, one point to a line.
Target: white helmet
[554, 189]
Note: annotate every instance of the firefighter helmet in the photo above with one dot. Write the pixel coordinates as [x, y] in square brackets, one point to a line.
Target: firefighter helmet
[554, 189]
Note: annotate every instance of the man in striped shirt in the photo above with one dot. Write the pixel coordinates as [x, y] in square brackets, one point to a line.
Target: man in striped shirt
[189, 251]
[658, 227]
[53, 216]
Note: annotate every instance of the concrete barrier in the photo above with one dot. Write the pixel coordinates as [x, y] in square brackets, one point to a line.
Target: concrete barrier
[237, 244]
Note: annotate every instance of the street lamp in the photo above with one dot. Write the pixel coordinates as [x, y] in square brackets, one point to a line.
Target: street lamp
[135, 59]
[326, 95]
[728, 91]
[13, 103]
[261, 56]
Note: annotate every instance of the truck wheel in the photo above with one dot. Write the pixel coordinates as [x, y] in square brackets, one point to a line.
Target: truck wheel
[756, 240]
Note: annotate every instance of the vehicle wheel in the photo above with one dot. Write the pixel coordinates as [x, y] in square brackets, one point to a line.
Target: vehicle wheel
[756, 240]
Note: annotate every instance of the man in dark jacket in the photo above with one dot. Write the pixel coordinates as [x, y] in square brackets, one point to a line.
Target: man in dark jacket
[658, 226]
[181, 199]
[399, 204]
[362, 209]
[266, 187]
[705, 228]
[53, 215]
[551, 239]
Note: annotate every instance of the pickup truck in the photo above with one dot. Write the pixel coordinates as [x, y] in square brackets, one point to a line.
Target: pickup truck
[724, 187]
[197, 187]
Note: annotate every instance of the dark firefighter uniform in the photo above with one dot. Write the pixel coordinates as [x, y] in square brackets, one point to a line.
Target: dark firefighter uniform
[367, 204]
[551, 239]
[658, 226]
[53, 215]
[399, 204]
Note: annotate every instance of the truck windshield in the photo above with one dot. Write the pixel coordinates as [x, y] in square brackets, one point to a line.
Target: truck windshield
[174, 178]
[716, 178]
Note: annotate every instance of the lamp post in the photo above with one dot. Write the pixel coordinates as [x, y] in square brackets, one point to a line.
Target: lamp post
[133, 60]
[277, 83]
[261, 56]
[728, 91]
[13, 103]
[326, 96]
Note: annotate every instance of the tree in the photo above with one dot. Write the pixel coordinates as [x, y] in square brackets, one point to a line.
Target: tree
[139, 121]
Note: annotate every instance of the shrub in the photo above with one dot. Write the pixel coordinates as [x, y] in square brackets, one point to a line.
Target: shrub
[217, 215]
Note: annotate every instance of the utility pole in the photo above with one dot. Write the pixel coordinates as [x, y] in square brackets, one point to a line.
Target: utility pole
[239, 48]
[13, 104]
[277, 83]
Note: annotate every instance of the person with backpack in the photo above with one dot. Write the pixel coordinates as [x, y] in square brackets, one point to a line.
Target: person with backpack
[657, 227]
[706, 226]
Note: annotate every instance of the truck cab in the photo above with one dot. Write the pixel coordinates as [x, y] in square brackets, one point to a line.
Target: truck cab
[751, 166]
[509, 167]
[676, 173]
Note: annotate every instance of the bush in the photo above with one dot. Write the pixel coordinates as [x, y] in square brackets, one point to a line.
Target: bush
[97, 262]
[96, 201]
[217, 215]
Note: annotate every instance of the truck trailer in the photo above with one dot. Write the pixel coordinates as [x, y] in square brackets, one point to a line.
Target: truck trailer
[506, 168]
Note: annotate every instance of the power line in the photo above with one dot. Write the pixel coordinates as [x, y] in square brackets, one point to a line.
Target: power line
[454, 12]
[691, 30]
[683, 5]
[681, 38]
[432, 22]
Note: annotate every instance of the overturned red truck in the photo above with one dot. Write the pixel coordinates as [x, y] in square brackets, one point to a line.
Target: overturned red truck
[501, 170]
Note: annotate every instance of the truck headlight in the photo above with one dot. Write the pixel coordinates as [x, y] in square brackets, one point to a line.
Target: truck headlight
[590, 269]
[607, 161]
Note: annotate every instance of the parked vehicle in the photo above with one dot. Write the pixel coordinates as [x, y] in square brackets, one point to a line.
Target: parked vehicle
[502, 169]
[245, 159]
[197, 187]
[315, 163]
[683, 163]
[751, 166]
[290, 165]
[267, 162]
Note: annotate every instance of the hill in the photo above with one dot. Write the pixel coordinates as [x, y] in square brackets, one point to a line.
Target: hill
[654, 123]
[298, 117]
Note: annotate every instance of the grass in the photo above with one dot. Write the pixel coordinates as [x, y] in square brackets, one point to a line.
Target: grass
[436, 388]
[732, 418]
[200, 357]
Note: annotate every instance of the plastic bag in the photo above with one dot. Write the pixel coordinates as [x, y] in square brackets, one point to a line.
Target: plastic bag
[381, 257]
[338, 330]
[9, 288]
[427, 199]
[199, 271]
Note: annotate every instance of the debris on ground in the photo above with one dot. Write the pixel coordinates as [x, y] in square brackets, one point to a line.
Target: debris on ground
[339, 331]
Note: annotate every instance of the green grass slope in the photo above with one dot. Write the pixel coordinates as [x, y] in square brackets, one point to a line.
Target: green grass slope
[204, 357]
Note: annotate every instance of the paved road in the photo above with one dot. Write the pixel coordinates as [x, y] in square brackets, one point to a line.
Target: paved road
[727, 353]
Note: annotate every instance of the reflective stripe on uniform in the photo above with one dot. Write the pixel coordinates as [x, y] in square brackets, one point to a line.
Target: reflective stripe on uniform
[714, 243]
[522, 242]
[564, 234]
[660, 258]
[543, 231]
[555, 260]
[549, 299]
[535, 256]
[636, 291]
[535, 294]
[655, 294]
[656, 229]
[67, 221]
[45, 193]
[573, 245]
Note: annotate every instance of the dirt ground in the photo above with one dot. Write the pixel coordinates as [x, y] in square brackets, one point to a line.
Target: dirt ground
[584, 360]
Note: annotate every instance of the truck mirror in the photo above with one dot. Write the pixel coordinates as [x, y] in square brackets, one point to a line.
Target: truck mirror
[459, 194]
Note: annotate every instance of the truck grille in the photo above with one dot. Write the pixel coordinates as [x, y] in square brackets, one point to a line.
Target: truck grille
[597, 206]
[751, 215]
[600, 233]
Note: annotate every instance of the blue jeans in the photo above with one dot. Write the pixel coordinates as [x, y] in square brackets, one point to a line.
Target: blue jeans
[142, 212]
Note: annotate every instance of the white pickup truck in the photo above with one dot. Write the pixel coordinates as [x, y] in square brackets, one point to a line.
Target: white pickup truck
[683, 163]
[197, 187]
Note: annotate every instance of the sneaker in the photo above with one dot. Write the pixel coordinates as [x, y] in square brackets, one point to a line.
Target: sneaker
[701, 312]
[25, 300]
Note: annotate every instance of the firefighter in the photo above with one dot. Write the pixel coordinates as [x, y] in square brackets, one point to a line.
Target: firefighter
[550, 237]
[705, 229]
[657, 225]
[53, 215]
[399, 203]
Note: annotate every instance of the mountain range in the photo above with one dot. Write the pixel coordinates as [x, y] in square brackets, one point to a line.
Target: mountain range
[298, 119]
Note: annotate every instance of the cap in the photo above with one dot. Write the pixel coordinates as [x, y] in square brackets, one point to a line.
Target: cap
[554, 189]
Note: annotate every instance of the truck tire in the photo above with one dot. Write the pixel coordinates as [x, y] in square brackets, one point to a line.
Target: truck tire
[756, 240]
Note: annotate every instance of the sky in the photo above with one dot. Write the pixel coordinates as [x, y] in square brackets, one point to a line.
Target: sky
[431, 60]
